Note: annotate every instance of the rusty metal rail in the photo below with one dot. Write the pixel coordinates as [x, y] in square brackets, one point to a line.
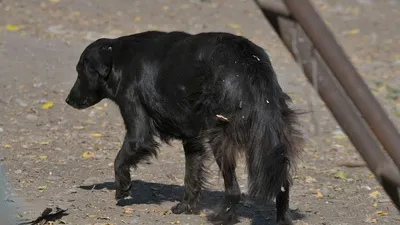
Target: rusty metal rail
[339, 85]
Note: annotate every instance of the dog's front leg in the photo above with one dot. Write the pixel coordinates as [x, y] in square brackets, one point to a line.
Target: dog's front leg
[132, 152]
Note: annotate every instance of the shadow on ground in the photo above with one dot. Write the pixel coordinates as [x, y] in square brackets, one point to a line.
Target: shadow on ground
[156, 193]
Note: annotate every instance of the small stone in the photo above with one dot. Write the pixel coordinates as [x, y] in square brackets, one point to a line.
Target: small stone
[1, 130]
[71, 191]
[31, 117]
[20, 102]
[54, 178]
[72, 158]
[18, 171]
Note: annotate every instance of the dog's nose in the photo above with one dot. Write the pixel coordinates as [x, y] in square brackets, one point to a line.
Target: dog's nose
[67, 100]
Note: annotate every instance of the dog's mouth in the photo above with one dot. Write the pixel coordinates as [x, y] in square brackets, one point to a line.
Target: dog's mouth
[78, 105]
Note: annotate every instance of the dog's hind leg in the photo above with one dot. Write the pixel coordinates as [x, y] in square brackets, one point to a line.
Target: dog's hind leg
[282, 206]
[226, 162]
[195, 156]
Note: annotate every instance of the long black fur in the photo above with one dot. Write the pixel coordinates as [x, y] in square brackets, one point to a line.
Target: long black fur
[214, 91]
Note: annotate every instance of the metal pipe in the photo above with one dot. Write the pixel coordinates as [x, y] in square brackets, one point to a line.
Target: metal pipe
[275, 7]
[339, 104]
[347, 75]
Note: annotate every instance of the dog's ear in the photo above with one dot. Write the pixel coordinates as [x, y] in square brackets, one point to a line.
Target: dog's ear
[104, 60]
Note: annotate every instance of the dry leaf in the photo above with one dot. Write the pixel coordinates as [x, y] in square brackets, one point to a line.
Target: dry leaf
[44, 142]
[138, 19]
[176, 222]
[88, 155]
[319, 195]
[234, 25]
[353, 32]
[310, 179]
[7, 146]
[222, 117]
[128, 211]
[43, 156]
[340, 175]
[375, 194]
[13, 27]
[203, 214]
[48, 105]
[96, 135]
[91, 216]
[78, 127]
[42, 188]
[373, 220]
[54, 1]
[382, 213]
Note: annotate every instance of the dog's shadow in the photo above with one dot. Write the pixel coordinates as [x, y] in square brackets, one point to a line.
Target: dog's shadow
[156, 193]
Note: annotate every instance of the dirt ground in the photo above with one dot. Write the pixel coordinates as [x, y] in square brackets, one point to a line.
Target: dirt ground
[54, 155]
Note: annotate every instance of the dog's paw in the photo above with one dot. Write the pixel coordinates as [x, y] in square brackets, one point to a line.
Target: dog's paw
[285, 221]
[227, 216]
[183, 208]
[123, 193]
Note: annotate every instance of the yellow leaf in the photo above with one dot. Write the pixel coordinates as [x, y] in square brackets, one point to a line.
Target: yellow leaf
[21, 86]
[372, 175]
[43, 157]
[375, 194]
[91, 216]
[48, 105]
[44, 142]
[340, 175]
[96, 135]
[373, 220]
[13, 27]
[54, 1]
[203, 214]
[319, 195]
[42, 188]
[353, 32]
[78, 127]
[165, 7]
[7, 146]
[176, 222]
[382, 213]
[234, 25]
[88, 155]
[138, 19]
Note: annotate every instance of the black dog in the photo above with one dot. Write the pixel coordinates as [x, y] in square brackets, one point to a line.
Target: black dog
[213, 91]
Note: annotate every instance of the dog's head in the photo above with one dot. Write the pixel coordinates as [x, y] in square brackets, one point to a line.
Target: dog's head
[94, 69]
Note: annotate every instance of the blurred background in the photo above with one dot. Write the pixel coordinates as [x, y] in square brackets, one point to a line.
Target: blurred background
[54, 155]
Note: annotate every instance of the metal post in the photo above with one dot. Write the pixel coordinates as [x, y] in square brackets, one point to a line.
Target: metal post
[334, 96]
[347, 75]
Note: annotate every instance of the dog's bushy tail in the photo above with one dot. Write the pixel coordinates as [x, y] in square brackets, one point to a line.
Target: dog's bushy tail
[272, 146]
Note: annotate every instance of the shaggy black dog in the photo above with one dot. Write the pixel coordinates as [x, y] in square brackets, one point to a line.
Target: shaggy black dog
[216, 92]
